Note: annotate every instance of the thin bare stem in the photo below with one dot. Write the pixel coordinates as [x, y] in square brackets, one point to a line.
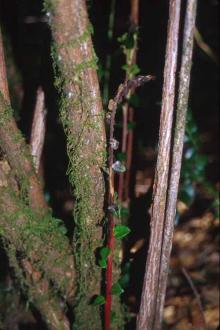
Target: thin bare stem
[3, 74]
[122, 92]
[38, 128]
[147, 313]
[196, 294]
[176, 154]
[108, 56]
[131, 55]
[205, 47]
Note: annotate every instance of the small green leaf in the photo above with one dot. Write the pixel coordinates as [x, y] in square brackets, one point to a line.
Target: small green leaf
[113, 317]
[102, 263]
[124, 280]
[117, 290]
[134, 69]
[131, 69]
[104, 252]
[121, 231]
[99, 300]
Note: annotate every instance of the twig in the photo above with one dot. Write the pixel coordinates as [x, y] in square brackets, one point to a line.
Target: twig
[3, 74]
[205, 47]
[122, 92]
[108, 56]
[196, 294]
[176, 155]
[38, 128]
[148, 307]
[127, 135]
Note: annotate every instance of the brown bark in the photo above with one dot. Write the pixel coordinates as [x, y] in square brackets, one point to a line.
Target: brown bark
[14, 147]
[83, 120]
[147, 313]
[21, 226]
[176, 154]
[21, 237]
[3, 74]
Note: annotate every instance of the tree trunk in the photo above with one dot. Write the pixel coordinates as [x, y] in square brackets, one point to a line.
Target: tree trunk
[83, 120]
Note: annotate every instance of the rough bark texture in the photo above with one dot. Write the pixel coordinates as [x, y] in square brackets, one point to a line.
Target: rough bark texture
[28, 233]
[13, 144]
[44, 269]
[18, 155]
[82, 117]
[176, 157]
[38, 264]
[147, 313]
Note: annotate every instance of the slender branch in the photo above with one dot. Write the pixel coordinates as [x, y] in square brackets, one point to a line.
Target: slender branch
[3, 73]
[147, 313]
[38, 128]
[108, 56]
[128, 113]
[176, 156]
[122, 92]
[196, 294]
[205, 47]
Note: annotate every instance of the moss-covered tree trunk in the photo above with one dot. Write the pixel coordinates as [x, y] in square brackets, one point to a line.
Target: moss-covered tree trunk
[45, 272]
[82, 117]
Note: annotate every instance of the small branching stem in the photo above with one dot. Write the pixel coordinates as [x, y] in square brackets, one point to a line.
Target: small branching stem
[122, 92]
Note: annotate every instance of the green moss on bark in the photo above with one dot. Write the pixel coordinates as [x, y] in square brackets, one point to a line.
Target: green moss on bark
[82, 117]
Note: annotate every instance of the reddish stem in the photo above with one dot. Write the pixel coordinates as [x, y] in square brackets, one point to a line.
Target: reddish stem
[108, 303]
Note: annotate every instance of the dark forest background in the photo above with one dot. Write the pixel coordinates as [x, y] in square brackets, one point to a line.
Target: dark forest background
[27, 41]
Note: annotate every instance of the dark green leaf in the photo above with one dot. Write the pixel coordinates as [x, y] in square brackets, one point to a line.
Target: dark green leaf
[124, 281]
[99, 300]
[117, 290]
[102, 263]
[113, 317]
[121, 231]
[104, 252]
